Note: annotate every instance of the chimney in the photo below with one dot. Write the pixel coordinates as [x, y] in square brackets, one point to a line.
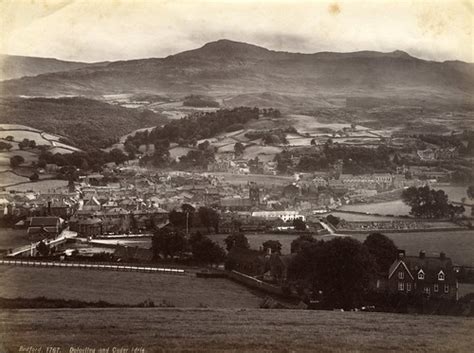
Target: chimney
[401, 253]
[422, 254]
[442, 256]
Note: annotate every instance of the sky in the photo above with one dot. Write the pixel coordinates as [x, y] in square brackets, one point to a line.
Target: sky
[101, 30]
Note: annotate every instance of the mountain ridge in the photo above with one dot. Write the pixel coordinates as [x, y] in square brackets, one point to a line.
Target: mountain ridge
[230, 67]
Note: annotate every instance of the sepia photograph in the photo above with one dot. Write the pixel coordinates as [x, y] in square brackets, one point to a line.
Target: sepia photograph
[236, 176]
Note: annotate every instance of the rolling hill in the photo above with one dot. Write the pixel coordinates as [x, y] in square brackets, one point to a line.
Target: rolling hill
[86, 123]
[15, 66]
[228, 68]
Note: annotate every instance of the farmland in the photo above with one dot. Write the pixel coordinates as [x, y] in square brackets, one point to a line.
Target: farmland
[232, 330]
[12, 238]
[124, 287]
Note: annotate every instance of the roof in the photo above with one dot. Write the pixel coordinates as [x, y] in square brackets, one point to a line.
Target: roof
[431, 266]
[44, 221]
[236, 202]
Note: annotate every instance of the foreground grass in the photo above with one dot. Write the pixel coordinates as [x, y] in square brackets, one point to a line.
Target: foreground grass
[123, 288]
[234, 330]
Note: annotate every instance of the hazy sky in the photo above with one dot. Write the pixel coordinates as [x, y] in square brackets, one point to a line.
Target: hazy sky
[96, 30]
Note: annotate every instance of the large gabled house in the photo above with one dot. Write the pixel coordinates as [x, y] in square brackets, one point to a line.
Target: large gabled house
[433, 277]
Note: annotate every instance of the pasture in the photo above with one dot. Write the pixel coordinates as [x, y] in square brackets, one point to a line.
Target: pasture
[8, 178]
[124, 287]
[12, 238]
[235, 330]
[40, 186]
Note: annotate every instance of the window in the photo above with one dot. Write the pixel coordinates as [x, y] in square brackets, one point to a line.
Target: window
[408, 287]
[441, 276]
[427, 290]
[401, 286]
[401, 275]
[421, 274]
[435, 287]
[446, 288]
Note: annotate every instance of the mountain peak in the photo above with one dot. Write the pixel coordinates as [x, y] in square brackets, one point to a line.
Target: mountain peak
[227, 48]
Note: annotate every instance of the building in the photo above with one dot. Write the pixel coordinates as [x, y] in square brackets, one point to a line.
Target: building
[432, 276]
[284, 215]
[44, 227]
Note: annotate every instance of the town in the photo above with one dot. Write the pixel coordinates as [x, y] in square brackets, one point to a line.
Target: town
[236, 176]
[158, 202]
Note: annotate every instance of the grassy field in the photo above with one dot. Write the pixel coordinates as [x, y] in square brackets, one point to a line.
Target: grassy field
[231, 330]
[8, 178]
[124, 287]
[40, 186]
[12, 238]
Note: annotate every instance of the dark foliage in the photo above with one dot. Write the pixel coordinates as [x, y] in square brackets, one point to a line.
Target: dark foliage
[341, 268]
[274, 245]
[238, 240]
[383, 250]
[168, 242]
[428, 203]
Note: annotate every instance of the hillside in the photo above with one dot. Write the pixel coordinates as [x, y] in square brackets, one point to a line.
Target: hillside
[229, 68]
[86, 123]
[14, 66]
[235, 330]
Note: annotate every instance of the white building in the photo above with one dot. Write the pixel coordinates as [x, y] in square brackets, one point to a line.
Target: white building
[284, 215]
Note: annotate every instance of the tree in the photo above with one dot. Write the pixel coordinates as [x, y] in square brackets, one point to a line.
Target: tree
[382, 249]
[238, 240]
[341, 268]
[333, 220]
[239, 149]
[24, 144]
[299, 224]
[274, 245]
[168, 242]
[427, 203]
[470, 192]
[15, 161]
[206, 251]
[42, 248]
[34, 177]
[9, 138]
[209, 218]
[116, 155]
[301, 242]
[5, 146]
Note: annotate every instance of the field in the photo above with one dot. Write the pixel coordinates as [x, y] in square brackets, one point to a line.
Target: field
[124, 287]
[8, 178]
[40, 186]
[231, 330]
[12, 238]
[396, 208]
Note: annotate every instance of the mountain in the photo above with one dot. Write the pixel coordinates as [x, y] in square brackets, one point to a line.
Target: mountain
[14, 66]
[228, 68]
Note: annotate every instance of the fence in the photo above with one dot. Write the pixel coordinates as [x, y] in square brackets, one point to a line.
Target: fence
[93, 266]
[254, 283]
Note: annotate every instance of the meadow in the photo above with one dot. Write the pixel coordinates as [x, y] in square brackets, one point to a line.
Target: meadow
[234, 330]
[124, 287]
[12, 238]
